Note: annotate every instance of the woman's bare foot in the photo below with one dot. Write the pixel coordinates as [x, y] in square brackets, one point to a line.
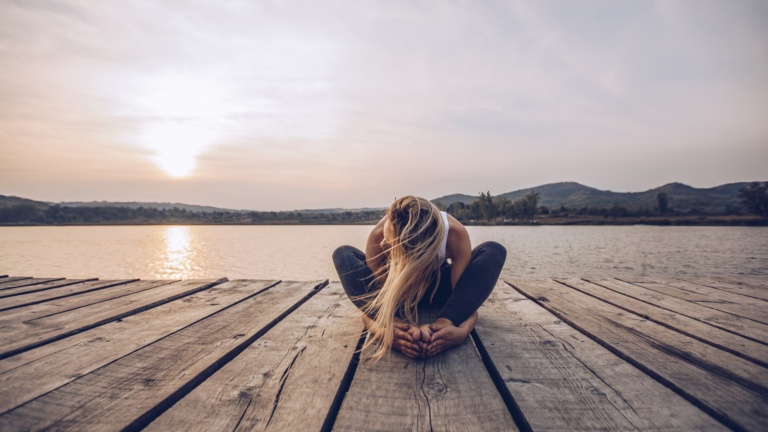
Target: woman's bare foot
[406, 340]
[445, 336]
[423, 342]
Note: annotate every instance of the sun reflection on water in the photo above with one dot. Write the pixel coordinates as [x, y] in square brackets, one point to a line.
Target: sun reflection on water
[178, 257]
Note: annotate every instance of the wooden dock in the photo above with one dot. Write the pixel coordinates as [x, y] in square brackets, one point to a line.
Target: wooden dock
[550, 354]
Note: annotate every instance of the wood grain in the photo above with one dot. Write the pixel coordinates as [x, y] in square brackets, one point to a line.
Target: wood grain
[10, 306]
[25, 289]
[723, 320]
[33, 373]
[731, 389]
[746, 348]
[33, 333]
[733, 286]
[133, 390]
[286, 380]
[743, 306]
[451, 391]
[20, 282]
[562, 380]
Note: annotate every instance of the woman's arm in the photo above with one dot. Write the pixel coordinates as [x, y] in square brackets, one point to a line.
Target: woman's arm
[458, 249]
[374, 252]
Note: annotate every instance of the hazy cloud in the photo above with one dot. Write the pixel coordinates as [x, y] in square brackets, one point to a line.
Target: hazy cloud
[281, 105]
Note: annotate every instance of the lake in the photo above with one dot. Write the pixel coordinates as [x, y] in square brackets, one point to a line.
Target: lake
[304, 252]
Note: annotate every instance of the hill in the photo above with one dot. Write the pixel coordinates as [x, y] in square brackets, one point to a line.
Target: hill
[572, 195]
[10, 201]
[152, 205]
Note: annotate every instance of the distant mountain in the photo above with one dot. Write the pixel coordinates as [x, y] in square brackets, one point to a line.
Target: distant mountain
[155, 205]
[8, 201]
[574, 195]
[342, 210]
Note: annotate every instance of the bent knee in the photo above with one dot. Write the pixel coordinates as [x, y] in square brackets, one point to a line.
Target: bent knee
[494, 248]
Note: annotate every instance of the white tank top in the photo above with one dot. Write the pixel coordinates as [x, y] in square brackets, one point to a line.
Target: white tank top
[441, 254]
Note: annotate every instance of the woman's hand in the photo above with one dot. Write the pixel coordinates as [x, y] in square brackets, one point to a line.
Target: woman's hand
[445, 336]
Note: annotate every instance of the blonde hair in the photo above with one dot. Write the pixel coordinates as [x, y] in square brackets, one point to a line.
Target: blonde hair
[412, 261]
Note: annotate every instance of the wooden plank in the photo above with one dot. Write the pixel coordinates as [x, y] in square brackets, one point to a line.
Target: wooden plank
[16, 291]
[12, 279]
[729, 388]
[33, 373]
[751, 350]
[734, 287]
[25, 282]
[562, 380]
[94, 295]
[66, 291]
[33, 333]
[755, 281]
[723, 320]
[132, 391]
[449, 391]
[286, 381]
[735, 304]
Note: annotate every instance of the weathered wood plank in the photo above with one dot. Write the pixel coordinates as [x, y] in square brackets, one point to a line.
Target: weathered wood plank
[562, 380]
[735, 304]
[10, 279]
[132, 391]
[20, 290]
[25, 282]
[451, 391]
[33, 373]
[754, 281]
[734, 287]
[33, 333]
[285, 381]
[95, 293]
[66, 291]
[724, 320]
[731, 389]
[755, 352]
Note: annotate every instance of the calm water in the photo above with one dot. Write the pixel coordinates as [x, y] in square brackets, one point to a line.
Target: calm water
[304, 252]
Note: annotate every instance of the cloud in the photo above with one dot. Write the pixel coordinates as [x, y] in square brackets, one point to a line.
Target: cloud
[345, 103]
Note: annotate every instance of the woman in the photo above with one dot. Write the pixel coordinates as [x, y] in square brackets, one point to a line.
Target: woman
[405, 266]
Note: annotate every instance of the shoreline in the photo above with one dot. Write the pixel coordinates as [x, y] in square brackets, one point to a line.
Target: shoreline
[542, 221]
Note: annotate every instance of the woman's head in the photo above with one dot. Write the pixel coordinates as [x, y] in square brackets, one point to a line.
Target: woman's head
[414, 225]
[413, 234]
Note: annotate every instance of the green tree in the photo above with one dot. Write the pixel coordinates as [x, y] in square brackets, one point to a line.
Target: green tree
[755, 198]
[530, 204]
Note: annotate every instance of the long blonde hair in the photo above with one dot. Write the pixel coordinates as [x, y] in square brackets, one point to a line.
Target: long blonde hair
[412, 261]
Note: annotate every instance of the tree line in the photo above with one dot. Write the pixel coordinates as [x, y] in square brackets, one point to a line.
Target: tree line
[754, 200]
[485, 208]
[61, 215]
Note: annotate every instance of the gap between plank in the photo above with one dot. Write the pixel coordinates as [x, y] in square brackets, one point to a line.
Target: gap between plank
[155, 412]
[501, 386]
[669, 326]
[727, 421]
[346, 383]
[110, 319]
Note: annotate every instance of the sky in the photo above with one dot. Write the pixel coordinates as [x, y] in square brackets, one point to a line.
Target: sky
[282, 105]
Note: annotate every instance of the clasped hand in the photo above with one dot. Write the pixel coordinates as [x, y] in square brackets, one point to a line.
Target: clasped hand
[427, 340]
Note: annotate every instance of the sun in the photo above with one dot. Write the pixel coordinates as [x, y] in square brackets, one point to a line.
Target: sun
[176, 146]
[185, 117]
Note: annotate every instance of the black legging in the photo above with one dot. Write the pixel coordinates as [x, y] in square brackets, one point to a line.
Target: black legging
[473, 287]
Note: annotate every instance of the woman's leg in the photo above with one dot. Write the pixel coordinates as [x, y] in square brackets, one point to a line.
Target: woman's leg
[357, 280]
[355, 276]
[476, 283]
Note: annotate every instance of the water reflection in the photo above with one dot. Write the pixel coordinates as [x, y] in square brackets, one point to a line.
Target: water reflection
[176, 261]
